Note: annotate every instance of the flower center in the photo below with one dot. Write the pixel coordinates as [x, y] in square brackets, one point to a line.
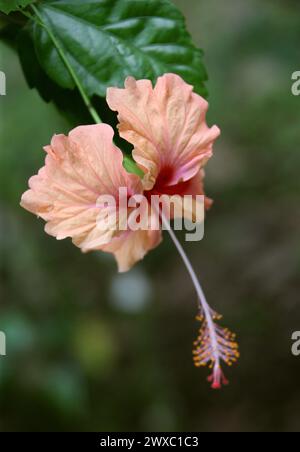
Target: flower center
[163, 184]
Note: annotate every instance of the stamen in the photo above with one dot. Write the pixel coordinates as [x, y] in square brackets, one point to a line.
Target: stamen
[214, 343]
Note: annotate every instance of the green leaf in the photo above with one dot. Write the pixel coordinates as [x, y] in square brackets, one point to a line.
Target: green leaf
[107, 40]
[7, 6]
[68, 101]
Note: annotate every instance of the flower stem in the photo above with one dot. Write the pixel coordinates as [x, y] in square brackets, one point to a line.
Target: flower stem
[65, 60]
[203, 305]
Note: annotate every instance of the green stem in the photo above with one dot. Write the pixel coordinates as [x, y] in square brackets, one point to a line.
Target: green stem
[73, 74]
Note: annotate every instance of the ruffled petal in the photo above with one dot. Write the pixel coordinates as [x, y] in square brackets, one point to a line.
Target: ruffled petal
[132, 247]
[194, 200]
[79, 169]
[166, 125]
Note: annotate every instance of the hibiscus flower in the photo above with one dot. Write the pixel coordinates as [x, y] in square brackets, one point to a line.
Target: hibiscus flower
[172, 143]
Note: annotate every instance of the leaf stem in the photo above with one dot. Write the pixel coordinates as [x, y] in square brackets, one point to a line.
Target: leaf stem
[64, 58]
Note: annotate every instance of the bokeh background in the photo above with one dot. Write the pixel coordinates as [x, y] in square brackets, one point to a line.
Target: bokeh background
[91, 350]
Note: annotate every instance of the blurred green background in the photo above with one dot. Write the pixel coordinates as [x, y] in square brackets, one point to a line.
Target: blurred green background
[88, 349]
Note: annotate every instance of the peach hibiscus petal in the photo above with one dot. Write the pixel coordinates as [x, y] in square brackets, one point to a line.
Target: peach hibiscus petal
[79, 168]
[166, 125]
[132, 247]
[188, 199]
[195, 186]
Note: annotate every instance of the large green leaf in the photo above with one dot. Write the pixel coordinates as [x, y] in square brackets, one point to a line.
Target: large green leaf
[7, 6]
[68, 101]
[107, 40]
